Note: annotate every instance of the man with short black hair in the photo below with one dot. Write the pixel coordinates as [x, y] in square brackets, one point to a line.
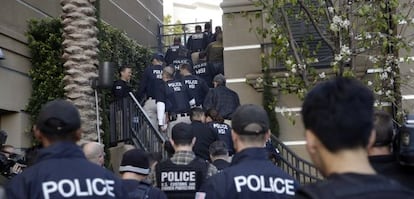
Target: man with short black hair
[121, 87]
[195, 85]
[204, 135]
[251, 174]
[221, 98]
[196, 43]
[338, 119]
[61, 170]
[183, 174]
[380, 155]
[219, 155]
[134, 170]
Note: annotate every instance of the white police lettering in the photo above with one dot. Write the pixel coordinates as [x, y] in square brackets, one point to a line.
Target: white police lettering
[202, 65]
[200, 71]
[221, 128]
[158, 74]
[175, 85]
[70, 188]
[178, 180]
[180, 61]
[197, 36]
[191, 83]
[264, 184]
[118, 87]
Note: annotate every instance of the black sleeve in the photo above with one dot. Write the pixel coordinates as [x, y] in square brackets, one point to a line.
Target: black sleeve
[189, 43]
[143, 84]
[118, 93]
[168, 57]
[209, 100]
[161, 95]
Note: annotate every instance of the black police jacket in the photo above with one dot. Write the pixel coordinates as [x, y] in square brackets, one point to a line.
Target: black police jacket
[250, 175]
[175, 96]
[354, 186]
[150, 82]
[62, 171]
[223, 131]
[204, 138]
[181, 181]
[197, 87]
[120, 89]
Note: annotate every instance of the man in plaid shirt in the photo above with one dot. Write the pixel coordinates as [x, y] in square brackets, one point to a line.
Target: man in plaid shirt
[183, 174]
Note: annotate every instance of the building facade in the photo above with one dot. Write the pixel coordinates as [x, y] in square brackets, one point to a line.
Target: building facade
[139, 19]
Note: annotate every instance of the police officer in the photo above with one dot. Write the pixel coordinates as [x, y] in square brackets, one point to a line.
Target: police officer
[182, 58]
[196, 86]
[183, 174]
[216, 123]
[197, 43]
[134, 170]
[251, 174]
[121, 87]
[175, 100]
[61, 170]
[172, 52]
[150, 84]
[204, 70]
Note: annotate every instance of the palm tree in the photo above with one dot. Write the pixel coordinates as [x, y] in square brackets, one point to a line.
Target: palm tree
[81, 59]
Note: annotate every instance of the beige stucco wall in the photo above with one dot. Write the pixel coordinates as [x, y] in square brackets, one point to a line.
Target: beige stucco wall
[138, 18]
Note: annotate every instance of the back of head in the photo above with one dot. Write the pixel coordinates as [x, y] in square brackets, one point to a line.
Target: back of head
[218, 148]
[198, 28]
[384, 128]
[339, 112]
[251, 123]
[214, 115]
[135, 161]
[182, 134]
[94, 152]
[207, 26]
[177, 40]
[59, 120]
[219, 37]
[185, 67]
[168, 71]
[196, 114]
[158, 57]
[220, 79]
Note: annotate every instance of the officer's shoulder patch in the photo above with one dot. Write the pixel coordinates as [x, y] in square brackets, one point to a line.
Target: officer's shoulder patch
[200, 195]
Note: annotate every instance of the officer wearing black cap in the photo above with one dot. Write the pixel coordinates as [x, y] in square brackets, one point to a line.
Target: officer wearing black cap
[196, 86]
[175, 100]
[183, 174]
[251, 174]
[61, 170]
[134, 170]
[150, 84]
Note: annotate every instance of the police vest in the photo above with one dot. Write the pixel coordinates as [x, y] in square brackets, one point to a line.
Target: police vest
[181, 181]
[197, 42]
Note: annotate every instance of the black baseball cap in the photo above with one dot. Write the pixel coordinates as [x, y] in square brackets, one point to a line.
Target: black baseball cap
[136, 161]
[158, 56]
[58, 117]
[250, 119]
[182, 131]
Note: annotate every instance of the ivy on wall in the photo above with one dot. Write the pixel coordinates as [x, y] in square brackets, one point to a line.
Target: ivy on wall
[47, 72]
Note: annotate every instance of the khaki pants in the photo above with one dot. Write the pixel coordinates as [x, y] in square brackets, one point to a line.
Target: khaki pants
[150, 108]
[194, 57]
[185, 119]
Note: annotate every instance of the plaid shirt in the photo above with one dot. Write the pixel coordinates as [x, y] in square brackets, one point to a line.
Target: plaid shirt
[185, 157]
[223, 99]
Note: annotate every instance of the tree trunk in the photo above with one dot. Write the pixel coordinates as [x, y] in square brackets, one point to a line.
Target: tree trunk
[81, 59]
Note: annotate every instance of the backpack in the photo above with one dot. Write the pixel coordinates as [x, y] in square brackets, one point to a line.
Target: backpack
[141, 192]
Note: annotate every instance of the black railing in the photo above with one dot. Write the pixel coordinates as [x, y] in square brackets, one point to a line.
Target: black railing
[130, 124]
[302, 170]
[166, 33]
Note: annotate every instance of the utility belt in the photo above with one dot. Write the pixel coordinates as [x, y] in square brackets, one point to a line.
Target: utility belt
[175, 116]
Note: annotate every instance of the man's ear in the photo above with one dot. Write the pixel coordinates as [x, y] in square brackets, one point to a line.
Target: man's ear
[312, 141]
[37, 134]
[372, 139]
[193, 141]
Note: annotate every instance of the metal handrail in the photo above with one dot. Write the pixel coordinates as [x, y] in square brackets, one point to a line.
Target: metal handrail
[130, 123]
[303, 171]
